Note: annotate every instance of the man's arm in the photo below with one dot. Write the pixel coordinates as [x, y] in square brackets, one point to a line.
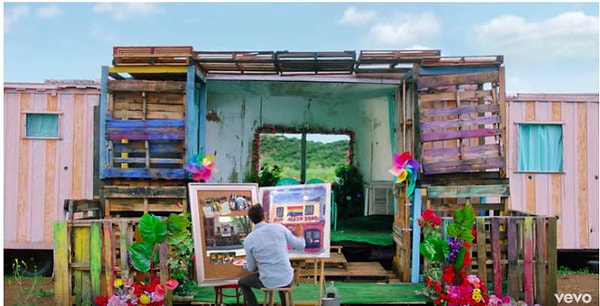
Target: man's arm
[297, 239]
[250, 264]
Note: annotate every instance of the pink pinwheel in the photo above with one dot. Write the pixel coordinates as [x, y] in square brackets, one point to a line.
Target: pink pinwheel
[405, 169]
[201, 167]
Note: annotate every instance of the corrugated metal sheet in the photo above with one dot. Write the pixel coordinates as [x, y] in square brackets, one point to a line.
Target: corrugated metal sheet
[39, 174]
[573, 194]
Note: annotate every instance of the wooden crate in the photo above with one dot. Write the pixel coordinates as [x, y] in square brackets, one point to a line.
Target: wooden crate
[458, 110]
[176, 55]
[145, 129]
[88, 258]
[132, 198]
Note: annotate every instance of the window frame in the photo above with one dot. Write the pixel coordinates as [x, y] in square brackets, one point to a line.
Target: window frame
[274, 129]
[59, 125]
[538, 123]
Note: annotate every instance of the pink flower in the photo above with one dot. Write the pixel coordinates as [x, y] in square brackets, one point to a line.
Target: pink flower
[171, 284]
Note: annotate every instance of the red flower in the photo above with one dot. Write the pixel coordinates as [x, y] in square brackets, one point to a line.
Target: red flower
[428, 280]
[101, 300]
[437, 286]
[437, 301]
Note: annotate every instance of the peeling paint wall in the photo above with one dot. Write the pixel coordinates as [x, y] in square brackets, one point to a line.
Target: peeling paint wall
[241, 112]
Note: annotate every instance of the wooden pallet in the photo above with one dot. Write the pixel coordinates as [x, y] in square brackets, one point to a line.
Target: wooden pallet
[358, 271]
[179, 55]
[336, 258]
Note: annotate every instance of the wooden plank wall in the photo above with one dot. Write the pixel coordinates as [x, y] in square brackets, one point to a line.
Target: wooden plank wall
[572, 195]
[42, 173]
[461, 121]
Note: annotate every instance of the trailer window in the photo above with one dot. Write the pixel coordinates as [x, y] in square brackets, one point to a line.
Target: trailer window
[540, 148]
[42, 125]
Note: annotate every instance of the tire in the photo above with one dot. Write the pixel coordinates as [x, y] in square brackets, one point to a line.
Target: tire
[37, 263]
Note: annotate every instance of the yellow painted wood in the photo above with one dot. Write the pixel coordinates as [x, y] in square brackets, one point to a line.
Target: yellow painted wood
[81, 257]
[95, 258]
[148, 69]
[62, 281]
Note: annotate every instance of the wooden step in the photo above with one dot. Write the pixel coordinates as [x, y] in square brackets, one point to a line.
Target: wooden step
[362, 271]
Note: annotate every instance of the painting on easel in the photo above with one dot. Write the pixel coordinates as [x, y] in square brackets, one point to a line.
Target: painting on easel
[308, 205]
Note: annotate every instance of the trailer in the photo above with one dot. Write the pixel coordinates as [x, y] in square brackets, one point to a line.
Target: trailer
[48, 158]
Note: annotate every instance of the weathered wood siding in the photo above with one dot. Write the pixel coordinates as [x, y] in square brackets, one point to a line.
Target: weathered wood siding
[39, 174]
[573, 194]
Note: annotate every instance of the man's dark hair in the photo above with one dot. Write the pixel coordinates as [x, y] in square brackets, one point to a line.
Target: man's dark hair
[256, 213]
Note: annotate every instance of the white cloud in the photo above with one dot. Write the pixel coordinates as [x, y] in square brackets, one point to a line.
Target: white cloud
[13, 15]
[49, 11]
[354, 17]
[406, 29]
[569, 35]
[122, 11]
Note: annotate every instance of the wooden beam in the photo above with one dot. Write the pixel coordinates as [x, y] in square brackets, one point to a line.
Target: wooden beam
[446, 192]
[146, 86]
[432, 81]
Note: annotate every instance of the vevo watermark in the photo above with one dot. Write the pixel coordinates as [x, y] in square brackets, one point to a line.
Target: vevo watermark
[576, 298]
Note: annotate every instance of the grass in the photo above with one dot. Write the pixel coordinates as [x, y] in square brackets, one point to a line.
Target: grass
[566, 271]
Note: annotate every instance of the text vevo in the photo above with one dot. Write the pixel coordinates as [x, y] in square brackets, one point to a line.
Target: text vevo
[575, 298]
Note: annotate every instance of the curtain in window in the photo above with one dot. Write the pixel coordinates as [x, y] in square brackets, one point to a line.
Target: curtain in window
[41, 125]
[540, 147]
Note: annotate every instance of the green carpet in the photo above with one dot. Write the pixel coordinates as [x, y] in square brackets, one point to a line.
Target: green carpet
[374, 229]
[349, 293]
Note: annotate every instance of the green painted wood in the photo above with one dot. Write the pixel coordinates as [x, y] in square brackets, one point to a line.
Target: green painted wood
[514, 270]
[62, 280]
[467, 191]
[95, 258]
[144, 192]
[528, 260]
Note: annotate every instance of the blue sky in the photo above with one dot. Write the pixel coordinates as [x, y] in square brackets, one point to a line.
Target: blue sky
[547, 47]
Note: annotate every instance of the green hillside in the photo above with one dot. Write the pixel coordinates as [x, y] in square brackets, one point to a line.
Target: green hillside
[321, 159]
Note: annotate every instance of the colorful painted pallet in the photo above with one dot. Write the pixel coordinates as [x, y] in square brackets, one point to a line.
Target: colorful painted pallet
[145, 129]
[87, 259]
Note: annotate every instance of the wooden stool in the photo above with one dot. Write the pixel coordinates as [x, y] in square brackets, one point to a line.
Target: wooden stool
[270, 293]
[219, 294]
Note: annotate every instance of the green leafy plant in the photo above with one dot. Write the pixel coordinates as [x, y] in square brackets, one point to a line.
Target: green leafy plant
[266, 176]
[181, 256]
[348, 192]
[154, 231]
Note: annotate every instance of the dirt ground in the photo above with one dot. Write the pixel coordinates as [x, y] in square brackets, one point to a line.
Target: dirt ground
[13, 294]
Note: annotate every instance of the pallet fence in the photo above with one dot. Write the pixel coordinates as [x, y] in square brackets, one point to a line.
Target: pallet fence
[88, 256]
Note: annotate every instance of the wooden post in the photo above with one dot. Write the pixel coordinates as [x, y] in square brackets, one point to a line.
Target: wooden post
[95, 258]
[62, 281]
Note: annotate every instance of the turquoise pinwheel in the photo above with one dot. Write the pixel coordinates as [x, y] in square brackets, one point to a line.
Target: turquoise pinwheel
[405, 169]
